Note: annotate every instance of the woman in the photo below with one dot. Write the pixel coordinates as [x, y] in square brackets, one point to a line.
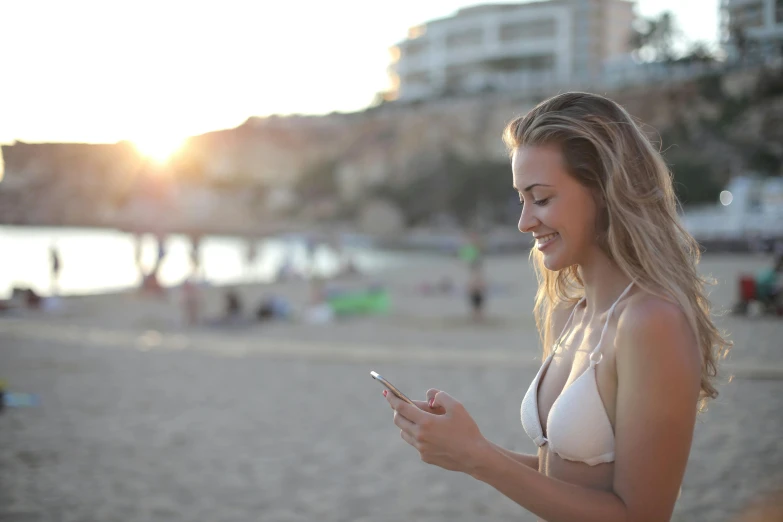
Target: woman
[630, 350]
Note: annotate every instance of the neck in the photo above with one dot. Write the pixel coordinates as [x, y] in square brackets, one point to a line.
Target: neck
[603, 280]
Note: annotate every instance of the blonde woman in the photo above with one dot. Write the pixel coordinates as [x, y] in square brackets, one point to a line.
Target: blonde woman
[629, 347]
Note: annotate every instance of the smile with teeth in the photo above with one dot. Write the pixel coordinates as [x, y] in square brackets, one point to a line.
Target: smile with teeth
[543, 241]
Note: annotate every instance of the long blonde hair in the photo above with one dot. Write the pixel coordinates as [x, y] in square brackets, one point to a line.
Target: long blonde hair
[638, 225]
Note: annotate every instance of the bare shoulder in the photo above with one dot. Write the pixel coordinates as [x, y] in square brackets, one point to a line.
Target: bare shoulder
[652, 327]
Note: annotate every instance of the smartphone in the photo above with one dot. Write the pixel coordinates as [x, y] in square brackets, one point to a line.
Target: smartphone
[389, 386]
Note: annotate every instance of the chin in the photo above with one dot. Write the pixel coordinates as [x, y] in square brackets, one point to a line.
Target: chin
[553, 265]
[556, 261]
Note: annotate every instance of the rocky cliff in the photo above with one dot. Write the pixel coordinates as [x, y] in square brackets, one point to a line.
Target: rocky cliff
[709, 128]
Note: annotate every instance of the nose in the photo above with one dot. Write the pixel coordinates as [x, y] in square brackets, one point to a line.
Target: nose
[527, 221]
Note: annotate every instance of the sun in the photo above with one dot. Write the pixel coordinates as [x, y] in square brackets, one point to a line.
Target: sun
[158, 148]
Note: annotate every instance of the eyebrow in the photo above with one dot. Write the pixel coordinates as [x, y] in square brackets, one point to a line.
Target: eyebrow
[531, 187]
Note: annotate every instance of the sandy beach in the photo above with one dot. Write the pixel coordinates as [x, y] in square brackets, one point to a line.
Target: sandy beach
[144, 418]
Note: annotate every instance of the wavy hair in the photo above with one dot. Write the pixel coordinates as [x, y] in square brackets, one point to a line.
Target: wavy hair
[638, 224]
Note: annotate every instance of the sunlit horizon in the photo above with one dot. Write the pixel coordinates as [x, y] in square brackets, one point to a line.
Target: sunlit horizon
[158, 148]
[106, 72]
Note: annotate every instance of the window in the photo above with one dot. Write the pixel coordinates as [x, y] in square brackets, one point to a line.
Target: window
[749, 16]
[527, 30]
[536, 63]
[415, 48]
[418, 77]
[469, 38]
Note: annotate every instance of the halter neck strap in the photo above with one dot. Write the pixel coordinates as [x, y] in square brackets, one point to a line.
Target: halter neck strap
[596, 355]
[565, 327]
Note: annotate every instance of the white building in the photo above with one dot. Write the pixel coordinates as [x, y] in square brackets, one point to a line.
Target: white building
[511, 47]
[750, 207]
[753, 27]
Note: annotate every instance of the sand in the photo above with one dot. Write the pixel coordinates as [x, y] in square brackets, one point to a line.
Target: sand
[144, 418]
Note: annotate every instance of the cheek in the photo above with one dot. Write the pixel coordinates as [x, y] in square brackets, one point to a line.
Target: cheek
[578, 219]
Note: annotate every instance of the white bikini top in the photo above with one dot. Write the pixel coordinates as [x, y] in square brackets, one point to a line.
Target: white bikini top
[578, 426]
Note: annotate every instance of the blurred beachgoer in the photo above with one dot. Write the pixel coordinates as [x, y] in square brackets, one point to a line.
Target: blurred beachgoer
[56, 266]
[477, 289]
[471, 251]
[191, 301]
[768, 282]
[251, 256]
[318, 310]
[273, 307]
[195, 255]
[161, 253]
[32, 300]
[764, 288]
[311, 246]
[233, 304]
[630, 349]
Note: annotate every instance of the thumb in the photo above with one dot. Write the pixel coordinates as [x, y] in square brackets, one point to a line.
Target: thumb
[431, 393]
[445, 401]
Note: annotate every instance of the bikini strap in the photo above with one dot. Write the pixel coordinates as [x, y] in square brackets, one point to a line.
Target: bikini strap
[596, 355]
[556, 345]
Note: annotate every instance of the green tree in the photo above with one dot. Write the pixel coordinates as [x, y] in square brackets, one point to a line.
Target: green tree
[655, 39]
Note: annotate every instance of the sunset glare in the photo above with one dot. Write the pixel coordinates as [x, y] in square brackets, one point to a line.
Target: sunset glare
[158, 148]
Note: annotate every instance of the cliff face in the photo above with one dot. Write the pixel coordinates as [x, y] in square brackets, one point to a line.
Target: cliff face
[713, 126]
[65, 183]
[709, 128]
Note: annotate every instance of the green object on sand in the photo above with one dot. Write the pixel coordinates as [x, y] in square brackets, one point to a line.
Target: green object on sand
[360, 302]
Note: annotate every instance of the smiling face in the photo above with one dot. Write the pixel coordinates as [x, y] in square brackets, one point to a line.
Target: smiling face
[557, 210]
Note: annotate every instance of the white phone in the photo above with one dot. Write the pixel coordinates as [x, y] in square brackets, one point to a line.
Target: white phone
[389, 386]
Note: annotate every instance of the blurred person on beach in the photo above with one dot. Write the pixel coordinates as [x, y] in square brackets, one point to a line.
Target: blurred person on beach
[251, 255]
[477, 289]
[55, 266]
[765, 288]
[195, 256]
[768, 283]
[161, 254]
[191, 300]
[150, 282]
[630, 351]
[471, 250]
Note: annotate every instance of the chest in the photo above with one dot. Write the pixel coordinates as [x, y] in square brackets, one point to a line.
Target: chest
[570, 362]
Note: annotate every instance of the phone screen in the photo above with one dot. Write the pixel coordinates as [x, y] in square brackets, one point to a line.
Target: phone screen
[389, 386]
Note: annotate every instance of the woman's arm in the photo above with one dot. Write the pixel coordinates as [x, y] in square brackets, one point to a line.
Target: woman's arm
[531, 461]
[551, 499]
[659, 372]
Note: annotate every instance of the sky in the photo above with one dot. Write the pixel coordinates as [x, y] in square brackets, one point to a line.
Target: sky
[157, 71]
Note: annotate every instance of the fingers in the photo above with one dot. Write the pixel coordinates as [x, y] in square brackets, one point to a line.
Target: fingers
[404, 424]
[445, 401]
[425, 406]
[409, 411]
[409, 439]
[431, 394]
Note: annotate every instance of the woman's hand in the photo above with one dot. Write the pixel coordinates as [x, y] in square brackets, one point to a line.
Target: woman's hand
[428, 405]
[442, 431]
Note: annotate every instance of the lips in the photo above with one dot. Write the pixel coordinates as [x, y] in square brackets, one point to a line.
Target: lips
[543, 241]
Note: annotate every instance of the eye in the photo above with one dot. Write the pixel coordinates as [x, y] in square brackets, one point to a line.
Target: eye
[542, 202]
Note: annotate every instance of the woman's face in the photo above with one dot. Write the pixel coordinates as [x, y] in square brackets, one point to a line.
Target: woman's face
[557, 210]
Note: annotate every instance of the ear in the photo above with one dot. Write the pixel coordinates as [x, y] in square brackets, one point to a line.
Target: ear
[602, 220]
